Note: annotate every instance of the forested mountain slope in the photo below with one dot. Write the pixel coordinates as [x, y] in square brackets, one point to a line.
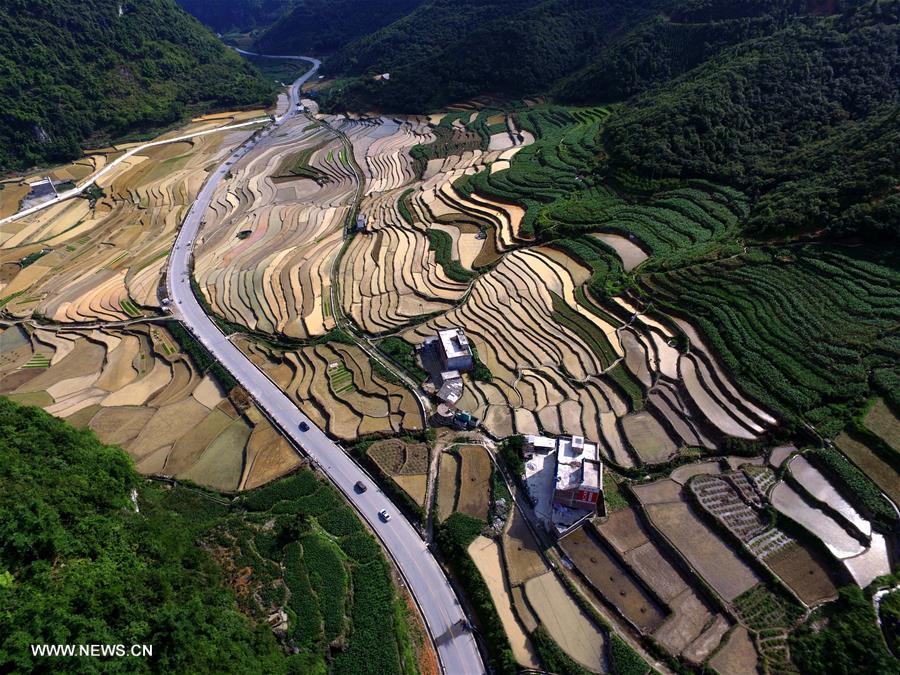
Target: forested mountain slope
[91, 553]
[805, 118]
[444, 51]
[79, 565]
[321, 26]
[81, 72]
[240, 15]
[683, 35]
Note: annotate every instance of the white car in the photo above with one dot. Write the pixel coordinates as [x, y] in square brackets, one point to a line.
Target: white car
[384, 515]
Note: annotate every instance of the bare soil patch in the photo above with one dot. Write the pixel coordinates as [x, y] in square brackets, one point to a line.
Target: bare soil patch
[706, 552]
[612, 580]
[486, 555]
[570, 627]
[521, 551]
[448, 485]
[120, 425]
[738, 656]
[269, 456]
[880, 420]
[220, 465]
[474, 481]
[804, 573]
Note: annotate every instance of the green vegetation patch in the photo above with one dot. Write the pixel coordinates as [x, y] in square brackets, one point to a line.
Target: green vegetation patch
[403, 353]
[862, 488]
[32, 258]
[551, 655]
[442, 244]
[202, 359]
[800, 327]
[38, 360]
[842, 637]
[625, 661]
[584, 328]
[71, 540]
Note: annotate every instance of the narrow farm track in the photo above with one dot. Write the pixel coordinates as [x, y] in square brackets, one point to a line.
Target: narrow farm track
[435, 597]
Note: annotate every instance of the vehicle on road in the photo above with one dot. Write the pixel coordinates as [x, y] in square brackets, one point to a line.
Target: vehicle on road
[384, 515]
[360, 487]
[304, 426]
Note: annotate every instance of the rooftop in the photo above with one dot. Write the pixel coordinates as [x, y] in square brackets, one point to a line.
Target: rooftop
[454, 342]
[578, 463]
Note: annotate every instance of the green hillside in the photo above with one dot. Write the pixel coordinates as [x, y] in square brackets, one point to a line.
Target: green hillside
[808, 329]
[322, 26]
[806, 117]
[444, 51]
[90, 553]
[80, 73]
[224, 16]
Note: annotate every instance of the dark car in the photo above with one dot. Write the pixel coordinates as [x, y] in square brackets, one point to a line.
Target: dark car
[360, 486]
[304, 426]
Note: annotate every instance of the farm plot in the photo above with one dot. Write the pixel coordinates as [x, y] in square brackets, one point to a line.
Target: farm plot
[704, 550]
[566, 623]
[611, 579]
[736, 501]
[474, 481]
[882, 422]
[558, 365]
[448, 485]
[692, 628]
[486, 556]
[872, 465]
[464, 482]
[347, 406]
[272, 231]
[405, 463]
[794, 328]
[136, 388]
[421, 237]
[101, 258]
[737, 656]
[864, 556]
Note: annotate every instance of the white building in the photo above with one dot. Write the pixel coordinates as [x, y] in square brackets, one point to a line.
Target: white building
[455, 350]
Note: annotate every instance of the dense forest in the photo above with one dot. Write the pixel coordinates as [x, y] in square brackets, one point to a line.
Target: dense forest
[80, 73]
[242, 16]
[806, 118]
[322, 26]
[90, 553]
[80, 564]
[445, 51]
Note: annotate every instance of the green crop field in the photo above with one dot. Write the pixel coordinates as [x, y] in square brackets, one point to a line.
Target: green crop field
[805, 329]
[808, 330]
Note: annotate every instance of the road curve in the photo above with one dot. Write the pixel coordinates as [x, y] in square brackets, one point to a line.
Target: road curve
[456, 647]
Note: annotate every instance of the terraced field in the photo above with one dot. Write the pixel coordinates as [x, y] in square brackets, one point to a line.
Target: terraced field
[272, 231]
[567, 367]
[423, 237]
[405, 463]
[800, 327]
[690, 627]
[136, 388]
[101, 258]
[736, 500]
[335, 385]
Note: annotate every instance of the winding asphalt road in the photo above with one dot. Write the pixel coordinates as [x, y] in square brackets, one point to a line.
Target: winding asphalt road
[456, 647]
